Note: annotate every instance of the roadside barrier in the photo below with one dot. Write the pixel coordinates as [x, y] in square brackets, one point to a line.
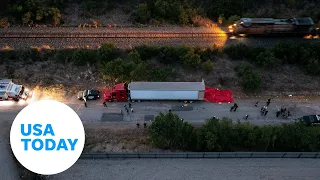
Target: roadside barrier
[199, 155]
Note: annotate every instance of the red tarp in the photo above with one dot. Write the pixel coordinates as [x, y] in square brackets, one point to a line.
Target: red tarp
[214, 95]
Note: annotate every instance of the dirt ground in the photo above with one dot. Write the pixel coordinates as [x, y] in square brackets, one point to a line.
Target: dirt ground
[112, 138]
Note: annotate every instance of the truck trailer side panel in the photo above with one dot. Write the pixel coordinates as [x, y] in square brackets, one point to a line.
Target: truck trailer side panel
[165, 95]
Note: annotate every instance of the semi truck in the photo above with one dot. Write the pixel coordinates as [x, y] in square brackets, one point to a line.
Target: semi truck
[141, 91]
[11, 91]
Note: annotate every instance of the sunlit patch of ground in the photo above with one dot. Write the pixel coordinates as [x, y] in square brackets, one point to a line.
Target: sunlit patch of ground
[48, 93]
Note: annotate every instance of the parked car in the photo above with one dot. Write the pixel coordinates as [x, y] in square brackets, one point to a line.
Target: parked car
[88, 94]
[311, 119]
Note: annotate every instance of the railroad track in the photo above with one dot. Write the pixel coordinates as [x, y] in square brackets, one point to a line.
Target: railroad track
[111, 35]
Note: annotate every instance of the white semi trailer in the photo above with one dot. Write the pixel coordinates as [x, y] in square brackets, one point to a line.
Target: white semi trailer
[184, 91]
[11, 91]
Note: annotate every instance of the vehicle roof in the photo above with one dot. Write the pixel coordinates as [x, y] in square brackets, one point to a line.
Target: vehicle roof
[297, 21]
[167, 86]
[4, 83]
[93, 92]
[311, 118]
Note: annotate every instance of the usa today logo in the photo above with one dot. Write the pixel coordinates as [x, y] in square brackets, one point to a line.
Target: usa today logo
[47, 137]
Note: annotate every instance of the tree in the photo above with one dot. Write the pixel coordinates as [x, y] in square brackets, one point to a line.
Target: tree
[106, 51]
[250, 81]
[183, 17]
[216, 135]
[140, 72]
[27, 18]
[191, 60]
[56, 16]
[266, 59]
[207, 66]
[143, 14]
[134, 56]
[168, 131]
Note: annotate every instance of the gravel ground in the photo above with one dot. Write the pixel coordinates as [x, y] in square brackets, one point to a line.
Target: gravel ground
[128, 43]
[190, 169]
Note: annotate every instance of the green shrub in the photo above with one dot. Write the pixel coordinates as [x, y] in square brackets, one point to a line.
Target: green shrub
[106, 51]
[162, 74]
[146, 52]
[237, 52]
[250, 81]
[142, 14]
[191, 60]
[167, 131]
[140, 73]
[215, 135]
[207, 66]
[223, 135]
[83, 56]
[134, 56]
[266, 59]
[243, 68]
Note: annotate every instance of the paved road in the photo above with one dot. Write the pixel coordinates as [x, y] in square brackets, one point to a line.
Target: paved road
[192, 169]
[198, 113]
[8, 169]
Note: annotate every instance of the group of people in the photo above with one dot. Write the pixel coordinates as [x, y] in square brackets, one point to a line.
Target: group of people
[283, 112]
[127, 109]
[144, 125]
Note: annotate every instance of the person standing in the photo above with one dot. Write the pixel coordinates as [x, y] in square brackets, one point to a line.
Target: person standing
[268, 102]
[235, 106]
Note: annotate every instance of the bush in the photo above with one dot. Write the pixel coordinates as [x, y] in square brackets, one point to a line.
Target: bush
[237, 52]
[250, 81]
[134, 56]
[83, 56]
[207, 66]
[222, 135]
[191, 60]
[146, 52]
[215, 135]
[142, 14]
[106, 51]
[266, 59]
[140, 73]
[167, 131]
[162, 74]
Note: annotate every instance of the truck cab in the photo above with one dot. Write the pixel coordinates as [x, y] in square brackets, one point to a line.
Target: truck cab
[119, 93]
[9, 90]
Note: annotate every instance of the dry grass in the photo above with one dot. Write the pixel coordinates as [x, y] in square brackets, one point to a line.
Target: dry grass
[108, 139]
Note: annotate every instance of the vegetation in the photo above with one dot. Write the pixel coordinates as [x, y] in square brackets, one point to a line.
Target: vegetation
[184, 12]
[138, 64]
[168, 131]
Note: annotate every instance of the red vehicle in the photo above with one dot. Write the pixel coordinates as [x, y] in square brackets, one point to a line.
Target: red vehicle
[118, 93]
